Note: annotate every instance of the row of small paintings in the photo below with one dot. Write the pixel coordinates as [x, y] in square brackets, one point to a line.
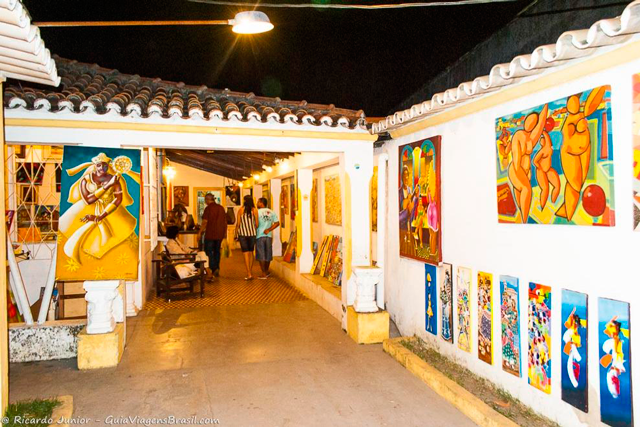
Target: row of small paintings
[613, 333]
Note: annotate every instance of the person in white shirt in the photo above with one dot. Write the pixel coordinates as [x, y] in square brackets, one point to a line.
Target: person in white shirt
[176, 247]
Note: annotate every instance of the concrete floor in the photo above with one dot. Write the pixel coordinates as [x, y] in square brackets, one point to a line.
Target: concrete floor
[284, 364]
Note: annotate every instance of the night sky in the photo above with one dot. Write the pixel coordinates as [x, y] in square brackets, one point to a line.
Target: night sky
[369, 60]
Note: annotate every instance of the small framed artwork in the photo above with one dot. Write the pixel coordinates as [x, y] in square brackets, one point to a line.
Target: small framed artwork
[28, 194]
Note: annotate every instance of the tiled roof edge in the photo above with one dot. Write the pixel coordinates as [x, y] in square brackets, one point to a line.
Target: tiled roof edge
[570, 45]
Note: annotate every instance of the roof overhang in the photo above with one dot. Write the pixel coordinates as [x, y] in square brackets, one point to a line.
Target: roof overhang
[571, 48]
[23, 55]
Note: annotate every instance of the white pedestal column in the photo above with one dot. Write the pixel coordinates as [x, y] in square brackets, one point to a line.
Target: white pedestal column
[100, 298]
[304, 260]
[276, 187]
[131, 288]
[366, 279]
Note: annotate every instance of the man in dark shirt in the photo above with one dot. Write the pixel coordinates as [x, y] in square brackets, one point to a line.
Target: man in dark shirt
[214, 228]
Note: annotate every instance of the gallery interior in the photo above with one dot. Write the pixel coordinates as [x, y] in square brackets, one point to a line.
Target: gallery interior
[494, 224]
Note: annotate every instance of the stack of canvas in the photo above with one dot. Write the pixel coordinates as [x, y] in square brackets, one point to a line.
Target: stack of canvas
[328, 259]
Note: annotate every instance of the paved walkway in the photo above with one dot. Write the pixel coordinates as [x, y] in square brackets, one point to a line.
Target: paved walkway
[286, 364]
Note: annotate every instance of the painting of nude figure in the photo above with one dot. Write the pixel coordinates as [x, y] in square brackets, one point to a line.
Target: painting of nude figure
[555, 162]
[419, 200]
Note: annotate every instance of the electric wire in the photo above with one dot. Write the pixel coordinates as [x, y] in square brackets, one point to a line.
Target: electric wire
[349, 6]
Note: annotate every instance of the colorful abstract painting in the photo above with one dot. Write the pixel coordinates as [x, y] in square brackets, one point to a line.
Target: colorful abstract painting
[463, 296]
[616, 407]
[485, 317]
[574, 353]
[431, 299]
[419, 201]
[374, 200]
[636, 152]
[540, 337]
[446, 302]
[332, 200]
[555, 162]
[510, 324]
[314, 200]
[98, 227]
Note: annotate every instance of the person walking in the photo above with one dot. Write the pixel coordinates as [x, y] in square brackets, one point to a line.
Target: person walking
[214, 228]
[246, 226]
[267, 222]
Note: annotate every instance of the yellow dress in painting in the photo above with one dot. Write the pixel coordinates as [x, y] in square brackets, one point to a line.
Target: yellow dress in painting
[101, 249]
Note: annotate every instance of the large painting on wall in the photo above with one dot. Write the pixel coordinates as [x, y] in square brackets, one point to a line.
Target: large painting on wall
[419, 201]
[332, 200]
[463, 296]
[446, 302]
[431, 299]
[99, 214]
[636, 152]
[540, 337]
[616, 407]
[555, 162]
[485, 317]
[574, 353]
[510, 324]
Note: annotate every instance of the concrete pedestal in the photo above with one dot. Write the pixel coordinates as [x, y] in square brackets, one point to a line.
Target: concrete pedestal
[367, 328]
[97, 351]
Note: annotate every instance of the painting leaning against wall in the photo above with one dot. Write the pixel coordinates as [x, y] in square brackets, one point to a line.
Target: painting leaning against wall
[485, 317]
[446, 302]
[555, 162]
[575, 390]
[540, 337]
[99, 214]
[636, 152]
[616, 405]
[431, 299]
[463, 296]
[419, 200]
[510, 324]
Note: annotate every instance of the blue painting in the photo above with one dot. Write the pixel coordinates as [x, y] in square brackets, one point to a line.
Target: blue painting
[614, 335]
[510, 324]
[574, 353]
[431, 299]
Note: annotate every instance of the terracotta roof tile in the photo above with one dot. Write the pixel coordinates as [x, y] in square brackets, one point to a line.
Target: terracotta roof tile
[90, 89]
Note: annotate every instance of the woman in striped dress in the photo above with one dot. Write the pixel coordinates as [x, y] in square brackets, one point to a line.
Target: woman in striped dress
[246, 226]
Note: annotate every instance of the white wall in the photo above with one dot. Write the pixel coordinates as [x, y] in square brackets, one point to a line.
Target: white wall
[321, 228]
[193, 177]
[599, 261]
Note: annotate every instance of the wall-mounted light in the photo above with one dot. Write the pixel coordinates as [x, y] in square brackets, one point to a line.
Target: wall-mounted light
[256, 177]
[169, 172]
[241, 184]
[267, 168]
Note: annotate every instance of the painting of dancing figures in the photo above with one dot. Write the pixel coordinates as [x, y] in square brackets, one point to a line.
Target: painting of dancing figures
[555, 162]
[419, 201]
[616, 407]
[574, 354]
